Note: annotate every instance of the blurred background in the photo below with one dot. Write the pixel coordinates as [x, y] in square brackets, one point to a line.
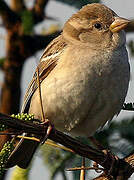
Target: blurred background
[26, 27]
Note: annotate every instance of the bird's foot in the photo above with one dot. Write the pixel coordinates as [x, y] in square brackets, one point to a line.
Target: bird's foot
[97, 168]
[112, 158]
[49, 129]
[109, 156]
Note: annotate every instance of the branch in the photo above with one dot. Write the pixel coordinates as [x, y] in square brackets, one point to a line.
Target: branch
[9, 17]
[129, 159]
[18, 5]
[121, 169]
[39, 10]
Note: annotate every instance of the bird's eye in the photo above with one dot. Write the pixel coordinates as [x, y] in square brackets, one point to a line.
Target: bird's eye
[98, 26]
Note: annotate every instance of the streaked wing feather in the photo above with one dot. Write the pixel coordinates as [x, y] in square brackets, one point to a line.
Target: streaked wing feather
[47, 63]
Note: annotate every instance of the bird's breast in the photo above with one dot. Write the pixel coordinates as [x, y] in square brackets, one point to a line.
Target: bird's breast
[80, 86]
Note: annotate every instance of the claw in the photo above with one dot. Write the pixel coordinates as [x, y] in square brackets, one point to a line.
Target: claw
[106, 152]
[97, 168]
[49, 129]
[114, 158]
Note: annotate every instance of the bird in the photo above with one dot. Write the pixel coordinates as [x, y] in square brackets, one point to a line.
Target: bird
[84, 77]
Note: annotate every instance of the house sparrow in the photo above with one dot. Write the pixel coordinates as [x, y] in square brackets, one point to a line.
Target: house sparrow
[84, 76]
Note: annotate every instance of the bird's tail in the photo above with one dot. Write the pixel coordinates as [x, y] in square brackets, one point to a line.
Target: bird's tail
[22, 154]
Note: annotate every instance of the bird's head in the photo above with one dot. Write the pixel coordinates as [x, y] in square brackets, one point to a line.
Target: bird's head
[95, 25]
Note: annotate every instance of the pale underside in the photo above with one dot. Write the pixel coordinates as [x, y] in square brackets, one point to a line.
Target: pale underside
[83, 95]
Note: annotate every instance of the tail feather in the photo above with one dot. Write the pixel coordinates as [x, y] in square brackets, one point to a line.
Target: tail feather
[22, 154]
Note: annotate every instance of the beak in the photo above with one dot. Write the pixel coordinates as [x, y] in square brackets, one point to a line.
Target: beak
[118, 24]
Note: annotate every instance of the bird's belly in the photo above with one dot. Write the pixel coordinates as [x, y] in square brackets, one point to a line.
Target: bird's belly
[66, 102]
[105, 106]
[78, 102]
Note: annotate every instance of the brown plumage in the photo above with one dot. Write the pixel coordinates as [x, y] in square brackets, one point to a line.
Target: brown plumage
[84, 76]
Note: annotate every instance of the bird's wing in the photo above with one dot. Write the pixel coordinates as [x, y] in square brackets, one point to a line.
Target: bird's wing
[47, 63]
[23, 152]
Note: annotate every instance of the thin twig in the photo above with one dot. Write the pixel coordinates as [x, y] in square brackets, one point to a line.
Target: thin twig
[10, 133]
[82, 172]
[40, 100]
[29, 138]
[85, 168]
[51, 143]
